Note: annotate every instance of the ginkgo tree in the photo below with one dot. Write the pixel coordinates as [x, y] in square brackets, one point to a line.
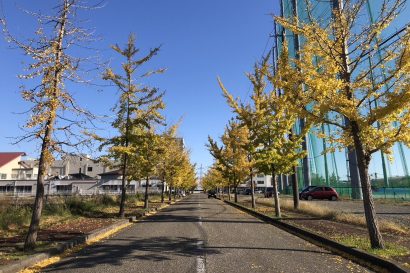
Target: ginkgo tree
[231, 157]
[170, 144]
[175, 168]
[271, 117]
[55, 120]
[354, 83]
[213, 179]
[137, 110]
[146, 151]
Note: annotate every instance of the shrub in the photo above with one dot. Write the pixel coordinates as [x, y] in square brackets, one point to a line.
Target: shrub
[78, 206]
[56, 209]
[134, 198]
[15, 215]
[107, 200]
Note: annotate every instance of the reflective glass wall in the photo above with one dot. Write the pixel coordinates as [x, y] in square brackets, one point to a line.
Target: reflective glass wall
[390, 178]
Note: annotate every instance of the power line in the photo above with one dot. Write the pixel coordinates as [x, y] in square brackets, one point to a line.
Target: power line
[261, 58]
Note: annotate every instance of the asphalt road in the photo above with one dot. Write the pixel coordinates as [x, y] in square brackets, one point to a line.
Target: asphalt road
[203, 235]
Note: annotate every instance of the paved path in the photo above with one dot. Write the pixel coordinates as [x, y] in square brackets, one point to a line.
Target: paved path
[203, 235]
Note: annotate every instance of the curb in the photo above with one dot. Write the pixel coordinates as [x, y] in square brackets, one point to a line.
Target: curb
[358, 256]
[62, 247]
[36, 258]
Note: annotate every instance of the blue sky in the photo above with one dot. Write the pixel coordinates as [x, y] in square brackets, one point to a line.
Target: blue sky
[200, 41]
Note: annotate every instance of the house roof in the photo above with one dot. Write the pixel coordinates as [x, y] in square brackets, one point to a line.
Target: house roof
[119, 172]
[9, 156]
[80, 176]
[28, 164]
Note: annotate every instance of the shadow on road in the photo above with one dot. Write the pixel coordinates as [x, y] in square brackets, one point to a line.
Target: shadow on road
[118, 251]
[194, 219]
[268, 248]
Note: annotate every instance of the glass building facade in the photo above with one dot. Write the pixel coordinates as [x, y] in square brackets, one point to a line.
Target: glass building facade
[390, 179]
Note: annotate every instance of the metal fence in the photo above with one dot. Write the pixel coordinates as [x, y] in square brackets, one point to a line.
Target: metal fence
[397, 193]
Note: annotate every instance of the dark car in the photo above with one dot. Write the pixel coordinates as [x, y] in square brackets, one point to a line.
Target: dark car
[321, 193]
[211, 194]
[306, 189]
[269, 193]
[247, 192]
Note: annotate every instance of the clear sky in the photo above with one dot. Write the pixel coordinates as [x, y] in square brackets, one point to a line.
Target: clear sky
[201, 39]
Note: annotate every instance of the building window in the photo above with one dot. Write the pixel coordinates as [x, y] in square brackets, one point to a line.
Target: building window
[3, 176]
[13, 176]
[89, 169]
[260, 175]
[63, 188]
[261, 182]
[5, 189]
[111, 188]
[28, 175]
[23, 189]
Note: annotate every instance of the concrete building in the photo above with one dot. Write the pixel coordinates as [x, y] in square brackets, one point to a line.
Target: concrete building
[76, 166]
[111, 183]
[74, 174]
[260, 181]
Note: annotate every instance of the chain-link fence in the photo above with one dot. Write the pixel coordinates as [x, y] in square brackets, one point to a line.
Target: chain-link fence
[397, 193]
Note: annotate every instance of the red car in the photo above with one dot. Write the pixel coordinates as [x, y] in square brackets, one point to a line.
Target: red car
[321, 193]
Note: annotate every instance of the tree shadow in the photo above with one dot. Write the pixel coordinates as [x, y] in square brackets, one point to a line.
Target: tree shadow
[115, 251]
[166, 218]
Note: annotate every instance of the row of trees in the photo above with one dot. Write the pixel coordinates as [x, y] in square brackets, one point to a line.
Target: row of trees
[139, 150]
[342, 76]
[143, 146]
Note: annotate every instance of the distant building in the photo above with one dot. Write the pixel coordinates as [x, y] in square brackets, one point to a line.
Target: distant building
[74, 174]
[11, 166]
[111, 183]
[260, 181]
[71, 167]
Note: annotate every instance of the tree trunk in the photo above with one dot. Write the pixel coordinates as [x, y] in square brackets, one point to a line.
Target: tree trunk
[252, 190]
[236, 194]
[295, 188]
[363, 160]
[162, 190]
[146, 193]
[31, 237]
[275, 193]
[169, 194]
[124, 188]
[229, 193]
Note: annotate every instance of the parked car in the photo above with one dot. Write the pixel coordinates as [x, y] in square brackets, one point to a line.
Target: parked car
[321, 192]
[247, 192]
[268, 193]
[240, 191]
[211, 193]
[306, 189]
[258, 191]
